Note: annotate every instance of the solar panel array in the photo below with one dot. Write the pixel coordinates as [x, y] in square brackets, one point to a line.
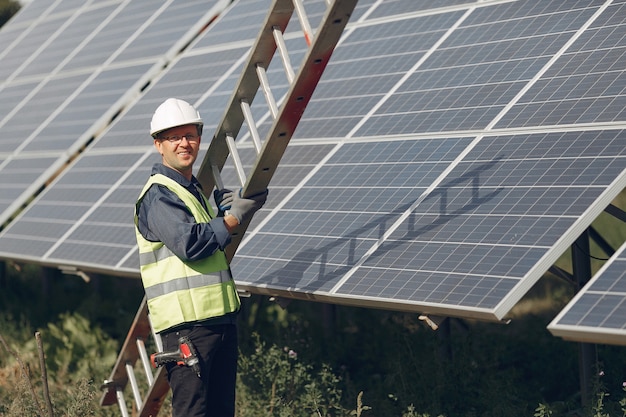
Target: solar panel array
[67, 69]
[452, 151]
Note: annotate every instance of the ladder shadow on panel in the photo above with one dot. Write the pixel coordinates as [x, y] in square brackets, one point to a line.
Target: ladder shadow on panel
[295, 270]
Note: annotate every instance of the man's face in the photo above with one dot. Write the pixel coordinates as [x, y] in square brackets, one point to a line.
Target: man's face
[179, 148]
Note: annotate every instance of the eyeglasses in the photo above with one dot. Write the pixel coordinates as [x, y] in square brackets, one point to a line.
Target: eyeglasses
[175, 139]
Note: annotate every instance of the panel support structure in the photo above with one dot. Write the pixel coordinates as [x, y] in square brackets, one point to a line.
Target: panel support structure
[581, 265]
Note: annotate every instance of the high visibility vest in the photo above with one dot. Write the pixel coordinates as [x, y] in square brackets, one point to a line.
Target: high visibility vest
[180, 291]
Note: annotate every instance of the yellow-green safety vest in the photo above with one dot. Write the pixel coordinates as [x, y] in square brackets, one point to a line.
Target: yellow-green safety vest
[180, 291]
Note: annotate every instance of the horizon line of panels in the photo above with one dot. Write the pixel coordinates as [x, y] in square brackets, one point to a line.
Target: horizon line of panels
[486, 231]
[597, 314]
[70, 74]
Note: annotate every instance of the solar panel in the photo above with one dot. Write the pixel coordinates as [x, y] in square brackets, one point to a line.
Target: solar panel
[403, 232]
[450, 154]
[597, 314]
[77, 65]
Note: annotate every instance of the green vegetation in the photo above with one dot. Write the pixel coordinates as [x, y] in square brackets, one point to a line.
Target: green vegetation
[309, 359]
[7, 9]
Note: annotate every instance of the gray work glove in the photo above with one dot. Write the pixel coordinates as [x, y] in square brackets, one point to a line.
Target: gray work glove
[219, 195]
[240, 207]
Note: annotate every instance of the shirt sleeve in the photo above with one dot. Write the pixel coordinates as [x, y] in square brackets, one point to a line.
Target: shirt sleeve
[163, 217]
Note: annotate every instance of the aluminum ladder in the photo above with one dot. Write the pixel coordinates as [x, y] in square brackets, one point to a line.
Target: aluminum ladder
[286, 117]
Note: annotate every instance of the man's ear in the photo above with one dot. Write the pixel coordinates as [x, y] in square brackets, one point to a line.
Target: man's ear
[158, 144]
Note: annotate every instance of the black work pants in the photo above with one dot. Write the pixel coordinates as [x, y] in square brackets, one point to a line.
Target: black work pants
[212, 395]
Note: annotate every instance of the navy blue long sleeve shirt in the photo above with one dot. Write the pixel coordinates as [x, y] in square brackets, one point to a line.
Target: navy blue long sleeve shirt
[163, 217]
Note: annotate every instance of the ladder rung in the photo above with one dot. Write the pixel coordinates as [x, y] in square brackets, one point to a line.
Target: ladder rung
[284, 54]
[217, 176]
[241, 173]
[141, 328]
[156, 337]
[141, 347]
[121, 402]
[133, 384]
[304, 21]
[261, 55]
[265, 86]
[247, 115]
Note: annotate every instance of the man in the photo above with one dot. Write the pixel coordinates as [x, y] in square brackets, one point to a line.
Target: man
[189, 287]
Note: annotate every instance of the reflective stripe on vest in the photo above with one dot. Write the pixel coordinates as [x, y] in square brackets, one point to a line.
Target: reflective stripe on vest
[178, 291]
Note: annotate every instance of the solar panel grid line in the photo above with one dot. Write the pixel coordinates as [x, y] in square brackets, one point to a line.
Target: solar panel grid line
[432, 49]
[113, 56]
[155, 90]
[58, 110]
[82, 221]
[474, 56]
[400, 303]
[350, 27]
[50, 75]
[174, 9]
[124, 259]
[106, 194]
[597, 47]
[404, 216]
[366, 20]
[104, 118]
[250, 233]
[109, 61]
[148, 76]
[549, 64]
[46, 45]
[548, 142]
[16, 203]
[25, 32]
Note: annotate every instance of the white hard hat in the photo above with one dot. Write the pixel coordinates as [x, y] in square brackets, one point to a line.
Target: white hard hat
[171, 113]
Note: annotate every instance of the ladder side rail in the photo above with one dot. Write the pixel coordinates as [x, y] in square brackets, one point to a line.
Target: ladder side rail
[261, 54]
[129, 353]
[299, 94]
[296, 101]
